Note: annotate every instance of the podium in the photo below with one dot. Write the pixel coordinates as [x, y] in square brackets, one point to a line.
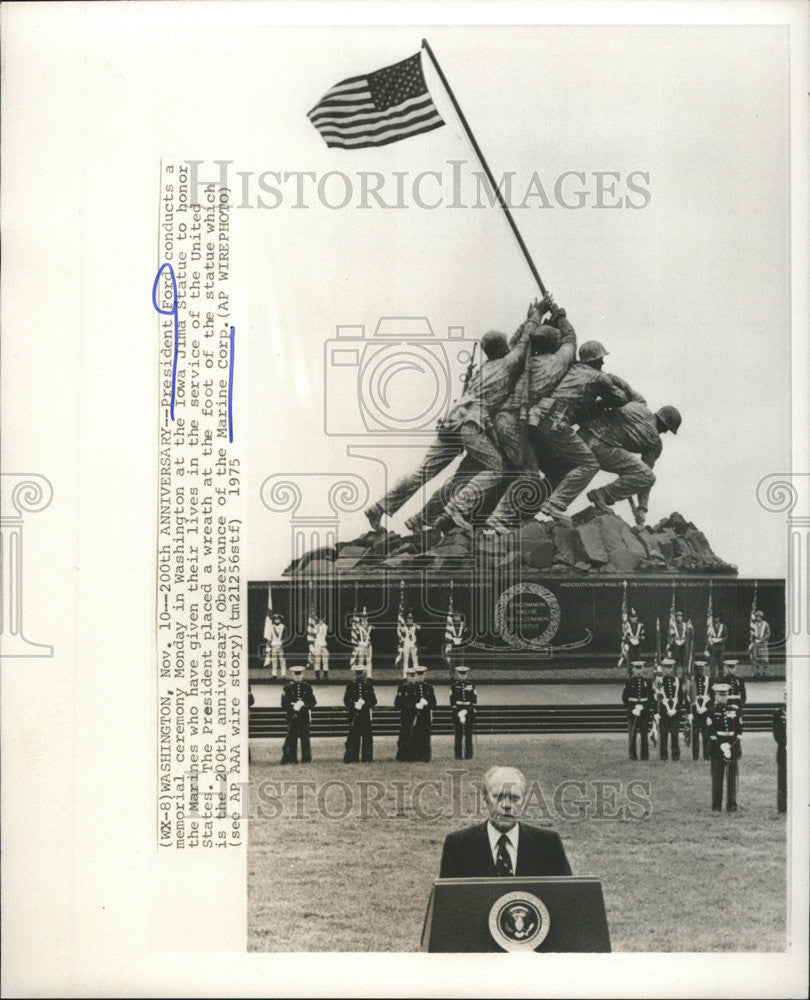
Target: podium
[548, 914]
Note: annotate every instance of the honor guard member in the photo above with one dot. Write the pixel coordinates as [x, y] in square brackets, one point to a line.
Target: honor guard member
[700, 698]
[297, 699]
[363, 650]
[725, 729]
[637, 697]
[716, 645]
[359, 699]
[424, 701]
[320, 652]
[463, 699]
[408, 634]
[632, 637]
[669, 711]
[404, 702]
[760, 635]
[737, 695]
[678, 643]
[780, 735]
[277, 661]
[453, 648]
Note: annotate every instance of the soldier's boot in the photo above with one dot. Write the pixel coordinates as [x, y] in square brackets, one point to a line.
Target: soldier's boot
[599, 500]
[550, 513]
[374, 513]
[415, 524]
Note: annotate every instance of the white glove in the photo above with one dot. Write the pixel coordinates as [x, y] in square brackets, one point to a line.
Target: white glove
[689, 717]
[670, 712]
[726, 750]
[462, 715]
[298, 705]
[421, 703]
[359, 704]
[638, 709]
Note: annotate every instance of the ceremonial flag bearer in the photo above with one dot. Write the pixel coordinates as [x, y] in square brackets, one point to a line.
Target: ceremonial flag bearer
[669, 711]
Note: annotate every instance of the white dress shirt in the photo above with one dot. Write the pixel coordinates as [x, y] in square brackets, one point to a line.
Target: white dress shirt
[511, 843]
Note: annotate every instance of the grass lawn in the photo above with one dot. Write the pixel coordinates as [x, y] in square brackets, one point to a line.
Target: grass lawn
[342, 858]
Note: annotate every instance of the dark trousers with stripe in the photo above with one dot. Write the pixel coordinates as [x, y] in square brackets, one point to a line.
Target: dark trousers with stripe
[669, 728]
[722, 768]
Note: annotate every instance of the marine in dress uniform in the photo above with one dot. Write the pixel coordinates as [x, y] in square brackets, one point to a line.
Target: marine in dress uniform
[404, 701]
[716, 645]
[453, 648]
[638, 697]
[760, 634]
[678, 643]
[737, 694]
[780, 735]
[463, 699]
[725, 729]
[277, 661]
[363, 650]
[424, 701]
[297, 698]
[633, 636]
[408, 634]
[700, 696]
[670, 703]
[320, 651]
[359, 699]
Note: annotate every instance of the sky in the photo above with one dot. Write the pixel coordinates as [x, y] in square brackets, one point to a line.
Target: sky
[688, 289]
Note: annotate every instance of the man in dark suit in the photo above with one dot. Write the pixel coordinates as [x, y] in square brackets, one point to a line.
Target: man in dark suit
[502, 845]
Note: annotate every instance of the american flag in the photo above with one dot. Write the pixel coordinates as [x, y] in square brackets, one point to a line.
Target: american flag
[355, 630]
[268, 627]
[311, 629]
[385, 106]
[400, 622]
[449, 630]
[624, 623]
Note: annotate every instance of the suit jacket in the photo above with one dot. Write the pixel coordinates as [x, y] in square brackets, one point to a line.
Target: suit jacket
[467, 853]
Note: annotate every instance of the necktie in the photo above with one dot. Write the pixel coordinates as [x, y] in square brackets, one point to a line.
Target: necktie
[503, 863]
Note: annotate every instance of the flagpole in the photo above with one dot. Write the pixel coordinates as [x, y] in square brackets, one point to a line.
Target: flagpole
[484, 164]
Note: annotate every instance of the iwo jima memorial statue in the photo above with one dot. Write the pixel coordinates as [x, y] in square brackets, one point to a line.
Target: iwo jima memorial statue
[493, 569]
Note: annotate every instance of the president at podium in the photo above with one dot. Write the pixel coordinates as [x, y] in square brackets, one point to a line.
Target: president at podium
[503, 846]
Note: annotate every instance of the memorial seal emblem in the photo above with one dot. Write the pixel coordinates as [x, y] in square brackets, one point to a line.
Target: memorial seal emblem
[527, 616]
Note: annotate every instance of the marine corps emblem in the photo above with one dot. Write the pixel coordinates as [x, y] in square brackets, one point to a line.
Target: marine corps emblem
[519, 921]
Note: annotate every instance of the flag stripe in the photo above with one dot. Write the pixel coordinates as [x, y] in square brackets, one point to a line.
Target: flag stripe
[382, 140]
[360, 123]
[347, 115]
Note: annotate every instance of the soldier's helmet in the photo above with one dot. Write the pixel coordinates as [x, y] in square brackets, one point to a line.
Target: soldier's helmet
[494, 344]
[297, 669]
[545, 339]
[637, 664]
[420, 668]
[462, 669]
[669, 664]
[592, 350]
[722, 689]
[732, 664]
[700, 663]
[358, 668]
[670, 418]
[759, 614]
